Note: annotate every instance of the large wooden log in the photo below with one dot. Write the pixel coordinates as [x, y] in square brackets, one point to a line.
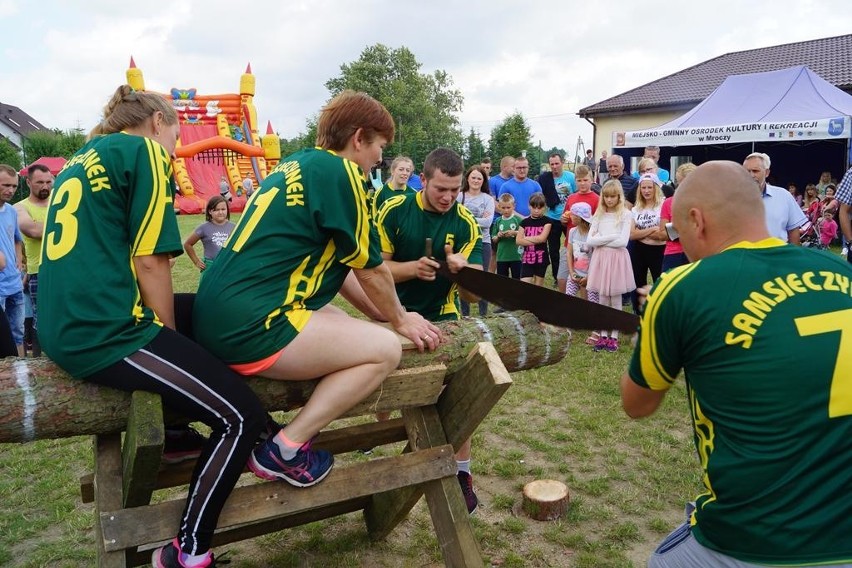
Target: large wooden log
[521, 340]
[38, 400]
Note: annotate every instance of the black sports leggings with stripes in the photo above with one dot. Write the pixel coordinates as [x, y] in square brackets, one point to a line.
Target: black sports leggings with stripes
[202, 388]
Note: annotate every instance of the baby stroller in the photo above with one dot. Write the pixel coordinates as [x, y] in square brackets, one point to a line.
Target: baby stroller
[810, 230]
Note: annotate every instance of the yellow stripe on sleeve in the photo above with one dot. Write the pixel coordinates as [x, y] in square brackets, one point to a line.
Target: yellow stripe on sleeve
[653, 370]
[468, 217]
[361, 254]
[152, 223]
[387, 206]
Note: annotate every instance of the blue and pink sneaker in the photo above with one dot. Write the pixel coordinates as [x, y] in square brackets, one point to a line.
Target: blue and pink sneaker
[307, 468]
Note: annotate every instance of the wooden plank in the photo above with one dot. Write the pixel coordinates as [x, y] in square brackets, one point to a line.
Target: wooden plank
[143, 448]
[369, 435]
[472, 392]
[229, 535]
[387, 510]
[404, 388]
[108, 493]
[270, 500]
[473, 389]
[451, 520]
[336, 441]
[445, 500]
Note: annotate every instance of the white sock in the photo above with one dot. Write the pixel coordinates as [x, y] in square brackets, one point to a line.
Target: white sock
[194, 559]
[463, 466]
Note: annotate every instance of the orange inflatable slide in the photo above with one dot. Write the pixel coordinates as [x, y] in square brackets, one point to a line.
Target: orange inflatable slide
[218, 139]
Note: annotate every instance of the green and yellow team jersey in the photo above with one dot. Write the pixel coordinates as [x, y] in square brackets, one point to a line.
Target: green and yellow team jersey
[111, 202]
[764, 334]
[301, 232]
[404, 226]
[386, 192]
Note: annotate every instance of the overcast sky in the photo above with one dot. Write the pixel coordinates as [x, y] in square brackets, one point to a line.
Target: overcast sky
[60, 60]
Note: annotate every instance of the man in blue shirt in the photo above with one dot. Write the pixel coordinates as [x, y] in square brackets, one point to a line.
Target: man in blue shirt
[11, 282]
[521, 187]
[507, 167]
[653, 152]
[784, 218]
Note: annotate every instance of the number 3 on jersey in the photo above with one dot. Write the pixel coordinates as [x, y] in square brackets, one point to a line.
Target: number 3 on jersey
[63, 236]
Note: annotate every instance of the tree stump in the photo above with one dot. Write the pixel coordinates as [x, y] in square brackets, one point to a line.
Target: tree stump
[545, 499]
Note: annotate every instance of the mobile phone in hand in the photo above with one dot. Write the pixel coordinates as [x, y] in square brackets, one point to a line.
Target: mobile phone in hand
[672, 232]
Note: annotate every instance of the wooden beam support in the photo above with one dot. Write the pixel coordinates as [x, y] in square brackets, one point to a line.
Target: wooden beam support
[143, 557]
[126, 528]
[108, 495]
[337, 441]
[143, 448]
[472, 392]
[475, 388]
[444, 497]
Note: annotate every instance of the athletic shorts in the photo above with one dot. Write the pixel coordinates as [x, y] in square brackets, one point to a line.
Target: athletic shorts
[530, 270]
[257, 367]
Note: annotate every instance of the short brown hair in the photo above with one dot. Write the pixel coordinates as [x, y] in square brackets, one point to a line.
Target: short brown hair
[33, 168]
[537, 200]
[445, 160]
[346, 113]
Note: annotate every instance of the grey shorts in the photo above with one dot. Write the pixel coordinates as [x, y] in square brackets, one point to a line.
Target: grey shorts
[681, 550]
[563, 264]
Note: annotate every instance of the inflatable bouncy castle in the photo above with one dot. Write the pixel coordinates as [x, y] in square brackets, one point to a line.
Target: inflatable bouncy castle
[218, 139]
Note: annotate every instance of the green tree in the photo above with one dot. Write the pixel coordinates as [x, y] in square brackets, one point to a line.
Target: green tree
[424, 106]
[9, 155]
[53, 143]
[511, 137]
[474, 148]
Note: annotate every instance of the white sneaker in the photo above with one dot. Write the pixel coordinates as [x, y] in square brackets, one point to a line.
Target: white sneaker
[844, 251]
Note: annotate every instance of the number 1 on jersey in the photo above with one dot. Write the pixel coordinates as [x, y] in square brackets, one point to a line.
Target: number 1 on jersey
[261, 203]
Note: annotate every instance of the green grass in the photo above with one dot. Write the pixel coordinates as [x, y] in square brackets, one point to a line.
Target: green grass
[627, 480]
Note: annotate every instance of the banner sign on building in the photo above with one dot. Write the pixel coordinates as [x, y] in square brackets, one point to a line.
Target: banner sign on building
[819, 129]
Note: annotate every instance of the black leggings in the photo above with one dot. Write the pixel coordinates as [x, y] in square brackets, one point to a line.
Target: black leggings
[200, 387]
[645, 258]
[554, 242]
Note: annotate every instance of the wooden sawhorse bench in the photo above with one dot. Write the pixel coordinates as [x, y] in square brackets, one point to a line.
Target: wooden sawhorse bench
[436, 418]
[443, 397]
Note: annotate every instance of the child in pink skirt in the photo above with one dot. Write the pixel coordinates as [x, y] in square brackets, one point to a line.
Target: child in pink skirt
[610, 271]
